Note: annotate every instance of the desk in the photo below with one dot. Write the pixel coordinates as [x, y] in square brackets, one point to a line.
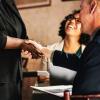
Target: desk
[45, 96]
[31, 78]
[50, 92]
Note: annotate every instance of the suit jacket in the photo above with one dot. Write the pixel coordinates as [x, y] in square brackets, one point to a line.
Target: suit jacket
[87, 79]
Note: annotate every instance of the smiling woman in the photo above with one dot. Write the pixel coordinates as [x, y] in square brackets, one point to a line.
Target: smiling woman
[32, 3]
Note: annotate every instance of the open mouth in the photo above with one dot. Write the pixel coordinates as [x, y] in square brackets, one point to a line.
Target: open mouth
[70, 27]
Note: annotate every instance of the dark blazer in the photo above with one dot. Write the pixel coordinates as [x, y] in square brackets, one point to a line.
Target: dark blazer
[12, 25]
[87, 79]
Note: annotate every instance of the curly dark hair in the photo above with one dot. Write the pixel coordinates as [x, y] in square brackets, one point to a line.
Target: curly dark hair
[62, 32]
[84, 38]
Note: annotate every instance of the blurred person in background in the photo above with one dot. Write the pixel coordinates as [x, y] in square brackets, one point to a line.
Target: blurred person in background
[72, 42]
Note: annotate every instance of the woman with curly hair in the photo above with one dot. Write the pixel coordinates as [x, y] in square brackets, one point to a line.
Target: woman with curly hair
[72, 42]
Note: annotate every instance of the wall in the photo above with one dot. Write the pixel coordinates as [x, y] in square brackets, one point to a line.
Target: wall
[43, 22]
[42, 25]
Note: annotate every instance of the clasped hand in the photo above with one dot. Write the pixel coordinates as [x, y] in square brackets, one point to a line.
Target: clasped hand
[36, 49]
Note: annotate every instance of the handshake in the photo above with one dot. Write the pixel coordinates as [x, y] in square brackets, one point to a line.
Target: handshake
[35, 49]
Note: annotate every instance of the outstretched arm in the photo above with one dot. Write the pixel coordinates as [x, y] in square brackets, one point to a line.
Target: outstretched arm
[26, 45]
[70, 61]
[60, 58]
[13, 43]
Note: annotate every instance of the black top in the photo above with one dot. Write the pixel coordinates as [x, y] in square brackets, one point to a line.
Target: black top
[57, 75]
[78, 52]
[12, 25]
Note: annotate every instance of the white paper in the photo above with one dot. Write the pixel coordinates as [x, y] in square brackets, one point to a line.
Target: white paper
[54, 90]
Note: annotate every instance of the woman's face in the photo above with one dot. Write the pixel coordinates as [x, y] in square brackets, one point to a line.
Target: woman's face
[73, 26]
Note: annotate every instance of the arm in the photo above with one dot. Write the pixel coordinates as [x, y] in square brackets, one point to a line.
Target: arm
[60, 58]
[13, 43]
[7, 42]
[70, 61]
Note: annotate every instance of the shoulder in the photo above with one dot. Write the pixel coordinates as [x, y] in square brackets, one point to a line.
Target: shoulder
[56, 46]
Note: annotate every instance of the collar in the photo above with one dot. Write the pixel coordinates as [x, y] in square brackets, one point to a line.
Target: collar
[96, 36]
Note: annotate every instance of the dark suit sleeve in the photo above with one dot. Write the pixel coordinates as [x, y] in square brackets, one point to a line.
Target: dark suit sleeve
[70, 61]
[3, 40]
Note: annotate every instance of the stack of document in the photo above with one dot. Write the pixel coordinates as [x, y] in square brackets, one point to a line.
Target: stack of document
[54, 90]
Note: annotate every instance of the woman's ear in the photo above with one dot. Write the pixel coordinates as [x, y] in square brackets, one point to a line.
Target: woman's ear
[93, 6]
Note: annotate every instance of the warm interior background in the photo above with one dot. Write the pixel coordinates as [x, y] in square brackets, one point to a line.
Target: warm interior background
[42, 25]
[43, 22]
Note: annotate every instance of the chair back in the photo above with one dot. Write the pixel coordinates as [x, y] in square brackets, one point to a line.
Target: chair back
[68, 96]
